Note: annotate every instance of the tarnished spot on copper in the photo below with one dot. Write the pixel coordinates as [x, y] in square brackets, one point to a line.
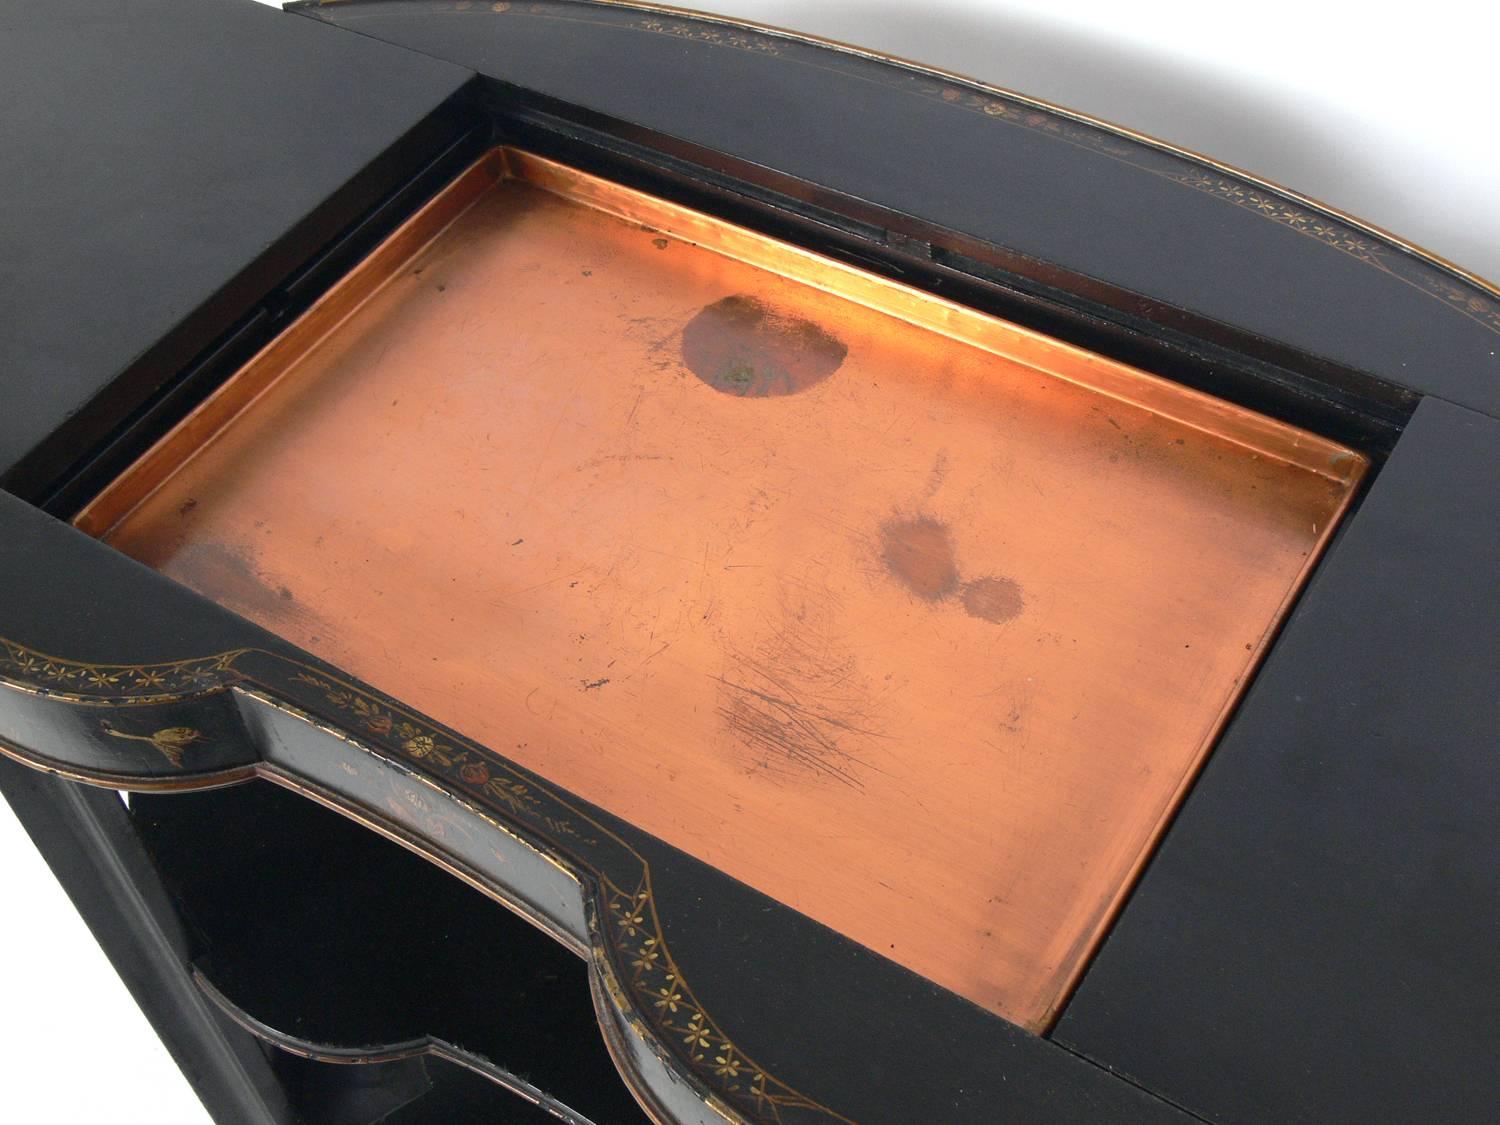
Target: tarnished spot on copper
[918, 552]
[231, 576]
[994, 599]
[744, 347]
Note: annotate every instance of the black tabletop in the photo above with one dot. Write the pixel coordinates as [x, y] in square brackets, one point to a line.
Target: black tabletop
[1314, 941]
[136, 194]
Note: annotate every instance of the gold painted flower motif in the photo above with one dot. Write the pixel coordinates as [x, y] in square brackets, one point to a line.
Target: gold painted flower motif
[697, 1037]
[728, 1064]
[668, 998]
[419, 746]
[632, 915]
[646, 957]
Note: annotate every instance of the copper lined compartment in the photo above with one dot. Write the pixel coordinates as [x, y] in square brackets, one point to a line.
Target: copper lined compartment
[918, 622]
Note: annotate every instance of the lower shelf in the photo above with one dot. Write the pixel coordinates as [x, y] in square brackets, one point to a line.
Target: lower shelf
[414, 1091]
[329, 941]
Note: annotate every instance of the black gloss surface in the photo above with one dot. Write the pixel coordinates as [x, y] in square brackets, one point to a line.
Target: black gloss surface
[1315, 939]
[165, 163]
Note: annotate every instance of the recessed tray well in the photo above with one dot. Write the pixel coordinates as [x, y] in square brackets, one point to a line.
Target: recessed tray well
[917, 621]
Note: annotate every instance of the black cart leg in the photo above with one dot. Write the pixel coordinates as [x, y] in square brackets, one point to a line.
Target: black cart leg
[86, 838]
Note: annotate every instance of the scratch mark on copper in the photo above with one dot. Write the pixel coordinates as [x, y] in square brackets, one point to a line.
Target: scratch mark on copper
[784, 731]
[798, 705]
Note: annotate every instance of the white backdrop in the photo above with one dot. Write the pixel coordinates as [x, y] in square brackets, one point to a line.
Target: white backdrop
[1384, 112]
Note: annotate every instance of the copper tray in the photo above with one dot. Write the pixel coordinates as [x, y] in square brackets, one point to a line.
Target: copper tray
[919, 622]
